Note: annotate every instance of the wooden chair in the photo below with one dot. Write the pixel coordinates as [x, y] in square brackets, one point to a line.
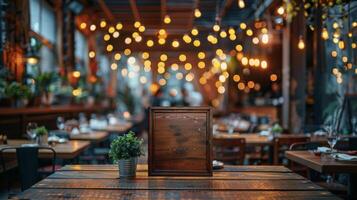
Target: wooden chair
[282, 143]
[229, 150]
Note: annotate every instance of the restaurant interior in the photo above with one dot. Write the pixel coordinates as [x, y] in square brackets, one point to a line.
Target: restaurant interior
[178, 99]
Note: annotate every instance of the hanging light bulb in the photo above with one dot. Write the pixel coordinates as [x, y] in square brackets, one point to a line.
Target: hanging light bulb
[265, 38]
[241, 4]
[341, 44]
[324, 34]
[194, 31]
[216, 27]
[281, 10]
[197, 13]
[301, 44]
[167, 19]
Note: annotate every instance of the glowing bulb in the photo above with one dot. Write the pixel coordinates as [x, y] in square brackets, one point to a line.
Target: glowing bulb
[111, 29]
[239, 47]
[161, 41]
[76, 74]
[106, 37]
[119, 26]
[335, 25]
[334, 54]
[236, 78]
[103, 24]
[92, 27]
[175, 44]
[174, 67]
[249, 32]
[179, 76]
[162, 32]
[281, 10]
[301, 44]
[127, 40]
[255, 40]
[194, 31]
[113, 66]
[127, 52]
[264, 64]
[163, 57]
[109, 47]
[83, 25]
[182, 57]
[137, 24]
[241, 4]
[223, 34]
[149, 43]
[232, 37]
[265, 38]
[201, 55]
[138, 39]
[231, 31]
[91, 54]
[186, 38]
[341, 44]
[273, 77]
[324, 34]
[131, 60]
[216, 27]
[197, 13]
[188, 66]
[201, 65]
[242, 26]
[141, 28]
[116, 34]
[167, 19]
[117, 56]
[196, 43]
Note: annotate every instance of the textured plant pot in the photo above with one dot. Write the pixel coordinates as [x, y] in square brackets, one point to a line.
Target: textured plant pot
[127, 168]
[41, 140]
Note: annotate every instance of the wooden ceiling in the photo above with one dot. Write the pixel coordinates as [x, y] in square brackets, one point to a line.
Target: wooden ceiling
[151, 13]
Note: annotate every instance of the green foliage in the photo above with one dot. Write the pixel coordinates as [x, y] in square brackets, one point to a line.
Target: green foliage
[44, 81]
[17, 91]
[125, 147]
[277, 128]
[41, 131]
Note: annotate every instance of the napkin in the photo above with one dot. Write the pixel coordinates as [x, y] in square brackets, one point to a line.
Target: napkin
[343, 156]
[323, 149]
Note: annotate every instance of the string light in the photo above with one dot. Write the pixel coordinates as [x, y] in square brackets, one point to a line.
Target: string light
[264, 64]
[196, 43]
[249, 32]
[137, 24]
[236, 78]
[141, 28]
[281, 10]
[334, 54]
[242, 26]
[324, 34]
[301, 43]
[149, 43]
[186, 38]
[194, 31]
[103, 24]
[119, 26]
[216, 27]
[167, 19]
[201, 55]
[241, 4]
[116, 34]
[273, 77]
[111, 29]
[232, 37]
[341, 44]
[83, 25]
[223, 34]
[113, 66]
[163, 57]
[106, 37]
[201, 65]
[76, 74]
[127, 52]
[197, 13]
[182, 57]
[265, 38]
[91, 54]
[175, 43]
[109, 47]
[127, 40]
[161, 41]
[188, 66]
[174, 67]
[92, 27]
[255, 40]
[117, 56]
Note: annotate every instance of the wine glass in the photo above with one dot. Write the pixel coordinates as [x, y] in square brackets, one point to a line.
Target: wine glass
[60, 123]
[30, 130]
[332, 137]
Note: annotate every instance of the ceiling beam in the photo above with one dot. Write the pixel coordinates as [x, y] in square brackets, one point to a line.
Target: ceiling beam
[192, 17]
[163, 10]
[223, 11]
[135, 10]
[106, 10]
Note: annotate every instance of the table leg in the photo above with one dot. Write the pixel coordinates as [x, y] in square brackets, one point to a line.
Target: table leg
[271, 154]
[352, 186]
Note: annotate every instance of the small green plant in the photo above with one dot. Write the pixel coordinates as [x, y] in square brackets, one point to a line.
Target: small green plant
[41, 131]
[277, 128]
[17, 91]
[125, 147]
[45, 81]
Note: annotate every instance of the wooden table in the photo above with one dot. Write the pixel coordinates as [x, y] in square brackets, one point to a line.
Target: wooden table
[94, 136]
[68, 150]
[117, 128]
[232, 182]
[326, 164]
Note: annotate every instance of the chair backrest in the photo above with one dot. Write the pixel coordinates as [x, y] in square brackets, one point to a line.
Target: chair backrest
[230, 150]
[303, 146]
[284, 142]
[27, 160]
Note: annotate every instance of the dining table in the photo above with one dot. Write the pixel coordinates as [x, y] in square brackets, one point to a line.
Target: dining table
[92, 136]
[118, 128]
[68, 150]
[325, 163]
[231, 182]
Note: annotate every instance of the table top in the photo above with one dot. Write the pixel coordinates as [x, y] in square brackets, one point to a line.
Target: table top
[321, 163]
[68, 150]
[257, 139]
[232, 182]
[94, 136]
[117, 128]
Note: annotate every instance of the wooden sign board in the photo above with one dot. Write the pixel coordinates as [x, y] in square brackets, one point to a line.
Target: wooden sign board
[180, 141]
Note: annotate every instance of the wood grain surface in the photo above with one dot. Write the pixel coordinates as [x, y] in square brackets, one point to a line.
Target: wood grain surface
[231, 182]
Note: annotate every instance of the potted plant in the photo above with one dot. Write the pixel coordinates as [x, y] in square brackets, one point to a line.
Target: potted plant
[44, 83]
[41, 135]
[125, 150]
[19, 94]
[276, 129]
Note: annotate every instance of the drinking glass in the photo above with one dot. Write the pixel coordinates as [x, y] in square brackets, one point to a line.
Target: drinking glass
[332, 137]
[30, 130]
[60, 123]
